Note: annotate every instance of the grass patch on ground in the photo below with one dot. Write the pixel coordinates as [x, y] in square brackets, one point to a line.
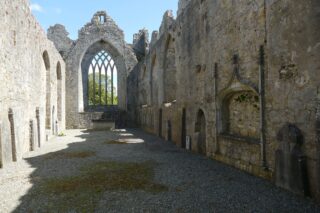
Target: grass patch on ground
[115, 142]
[69, 155]
[82, 193]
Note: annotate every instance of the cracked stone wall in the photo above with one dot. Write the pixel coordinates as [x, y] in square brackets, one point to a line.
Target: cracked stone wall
[220, 49]
[25, 95]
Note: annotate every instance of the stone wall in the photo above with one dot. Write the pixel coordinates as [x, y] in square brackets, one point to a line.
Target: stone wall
[269, 49]
[243, 115]
[239, 79]
[32, 83]
[293, 76]
[182, 5]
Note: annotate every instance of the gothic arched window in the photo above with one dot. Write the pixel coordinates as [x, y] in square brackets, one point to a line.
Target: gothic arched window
[102, 80]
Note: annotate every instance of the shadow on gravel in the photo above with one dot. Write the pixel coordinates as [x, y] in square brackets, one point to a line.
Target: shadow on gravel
[131, 171]
[75, 179]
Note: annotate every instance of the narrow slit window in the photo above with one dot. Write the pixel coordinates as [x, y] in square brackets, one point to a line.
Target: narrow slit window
[102, 19]
[103, 78]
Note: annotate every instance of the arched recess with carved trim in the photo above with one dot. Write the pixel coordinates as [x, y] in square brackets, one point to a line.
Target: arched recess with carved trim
[239, 112]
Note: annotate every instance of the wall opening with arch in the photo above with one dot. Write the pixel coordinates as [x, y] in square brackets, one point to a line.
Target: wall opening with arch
[201, 132]
[241, 114]
[183, 128]
[160, 123]
[46, 61]
[103, 81]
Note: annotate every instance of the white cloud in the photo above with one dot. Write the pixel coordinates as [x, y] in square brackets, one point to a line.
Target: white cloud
[36, 7]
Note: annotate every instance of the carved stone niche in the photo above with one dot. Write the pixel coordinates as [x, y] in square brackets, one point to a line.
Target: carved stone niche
[291, 164]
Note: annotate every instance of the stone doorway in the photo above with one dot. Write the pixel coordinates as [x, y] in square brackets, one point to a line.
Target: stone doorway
[200, 130]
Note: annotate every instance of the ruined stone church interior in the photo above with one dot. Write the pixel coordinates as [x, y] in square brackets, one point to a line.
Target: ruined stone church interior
[217, 111]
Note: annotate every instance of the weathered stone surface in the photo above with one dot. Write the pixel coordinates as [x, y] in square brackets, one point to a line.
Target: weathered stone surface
[63, 43]
[23, 77]
[182, 5]
[102, 33]
[141, 43]
[218, 49]
[249, 67]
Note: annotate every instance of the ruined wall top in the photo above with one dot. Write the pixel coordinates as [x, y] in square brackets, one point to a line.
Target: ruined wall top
[181, 5]
[141, 43]
[167, 22]
[101, 23]
[154, 38]
[59, 35]
[142, 34]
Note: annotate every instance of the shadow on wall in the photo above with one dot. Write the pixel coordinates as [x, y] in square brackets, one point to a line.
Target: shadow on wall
[76, 178]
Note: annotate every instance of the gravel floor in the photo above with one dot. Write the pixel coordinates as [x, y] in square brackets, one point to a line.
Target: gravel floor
[194, 183]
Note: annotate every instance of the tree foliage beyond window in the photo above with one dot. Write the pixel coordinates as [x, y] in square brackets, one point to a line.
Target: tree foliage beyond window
[102, 80]
[106, 97]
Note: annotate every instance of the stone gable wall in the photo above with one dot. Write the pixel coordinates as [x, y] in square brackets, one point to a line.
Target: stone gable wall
[100, 33]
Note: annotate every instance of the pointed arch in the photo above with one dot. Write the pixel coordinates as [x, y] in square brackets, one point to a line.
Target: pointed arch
[201, 132]
[103, 77]
[238, 108]
[46, 61]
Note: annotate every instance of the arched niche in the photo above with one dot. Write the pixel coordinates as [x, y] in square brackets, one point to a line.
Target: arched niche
[201, 132]
[239, 112]
[96, 52]
[46, 61]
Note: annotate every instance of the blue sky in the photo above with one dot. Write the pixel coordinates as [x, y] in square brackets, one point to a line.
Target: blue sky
[130, 15]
